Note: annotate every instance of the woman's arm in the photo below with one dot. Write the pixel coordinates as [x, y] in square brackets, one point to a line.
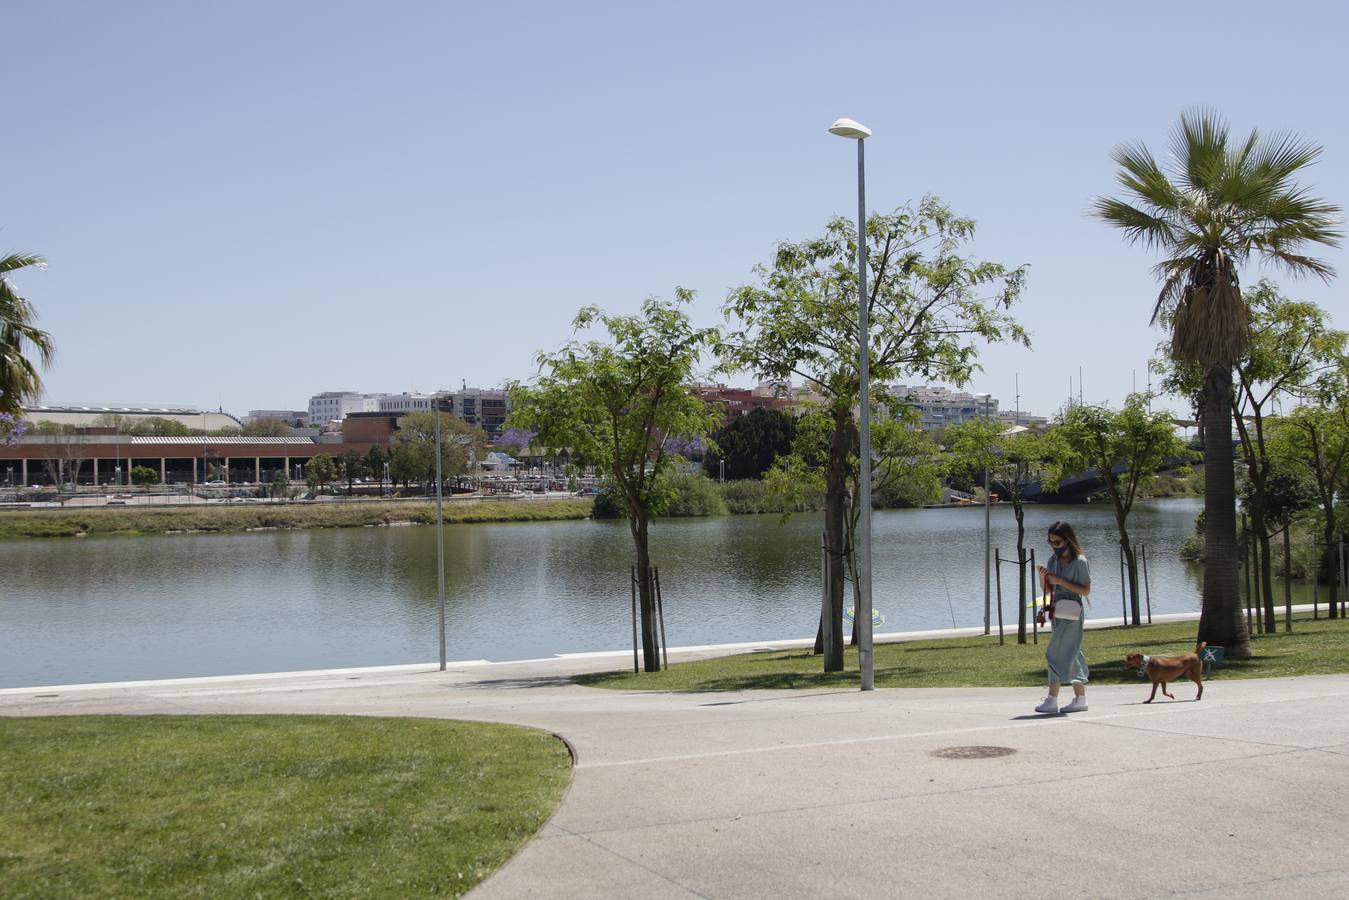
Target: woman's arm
[1081, 590]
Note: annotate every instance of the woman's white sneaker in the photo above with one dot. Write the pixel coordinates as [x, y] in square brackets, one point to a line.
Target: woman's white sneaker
[1048, 705]
[1079, 704]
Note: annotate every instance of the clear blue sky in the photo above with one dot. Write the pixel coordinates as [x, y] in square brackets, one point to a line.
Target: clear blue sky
[246, 203]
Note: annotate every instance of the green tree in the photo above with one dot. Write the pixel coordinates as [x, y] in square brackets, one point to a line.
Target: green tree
[19, 379]
[158, 426]
[406, 463]
[903, 463]
[280, 488]
[927, 305]
[265, 427]
[1012, 460]
[614, 403]
[749, 444]
[1221, 203]
[321, 470]
[1315, 437]
[375, 459]
[352, 466]
[461, 445]
[1127, 447]
[143, 476]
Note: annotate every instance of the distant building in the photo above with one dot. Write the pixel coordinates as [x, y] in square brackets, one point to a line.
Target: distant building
[295, 417]
[736, 402]
[334, 406]
[81, 415]
[488, 409]
[941, 407]
[406, 403]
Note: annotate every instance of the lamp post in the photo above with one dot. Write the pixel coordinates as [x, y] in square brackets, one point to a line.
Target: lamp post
[987, 400]
[440, 541]
[862, 619]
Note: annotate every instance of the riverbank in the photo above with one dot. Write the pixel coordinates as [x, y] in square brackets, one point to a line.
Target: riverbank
[221, 518]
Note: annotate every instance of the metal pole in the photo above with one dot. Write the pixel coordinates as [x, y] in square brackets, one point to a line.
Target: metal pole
[997, 565]
[1123, 589]
[440, 542]
[1147, 589]
[660, 616]
[863, 617]
[1034, 599]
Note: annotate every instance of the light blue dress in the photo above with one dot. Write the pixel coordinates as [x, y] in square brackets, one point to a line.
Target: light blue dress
[1067, 665]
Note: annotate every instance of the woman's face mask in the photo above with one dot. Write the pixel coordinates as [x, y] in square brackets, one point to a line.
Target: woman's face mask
[1061, 550]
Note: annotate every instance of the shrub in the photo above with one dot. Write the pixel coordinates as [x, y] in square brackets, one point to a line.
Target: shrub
[754, 496]
[693, 495]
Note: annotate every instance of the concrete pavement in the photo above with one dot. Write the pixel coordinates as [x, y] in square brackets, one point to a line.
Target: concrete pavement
[839, 793]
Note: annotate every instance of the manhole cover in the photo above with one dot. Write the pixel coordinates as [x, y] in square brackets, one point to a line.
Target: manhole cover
[972, 752]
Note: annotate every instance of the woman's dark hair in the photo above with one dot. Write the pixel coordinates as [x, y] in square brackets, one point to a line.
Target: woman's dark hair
[1065, 531]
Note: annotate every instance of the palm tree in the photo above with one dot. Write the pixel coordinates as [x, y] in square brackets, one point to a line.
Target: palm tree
[1217, 204]
[19, 381]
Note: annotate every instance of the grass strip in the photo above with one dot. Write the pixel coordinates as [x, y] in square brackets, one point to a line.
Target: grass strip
[1312, 648]
[219, 517]
[267, 806]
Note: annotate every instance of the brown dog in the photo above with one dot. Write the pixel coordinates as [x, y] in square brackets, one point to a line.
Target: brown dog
[1164, 669]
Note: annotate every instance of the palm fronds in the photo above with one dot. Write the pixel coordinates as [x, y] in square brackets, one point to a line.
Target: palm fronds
[1217, 203]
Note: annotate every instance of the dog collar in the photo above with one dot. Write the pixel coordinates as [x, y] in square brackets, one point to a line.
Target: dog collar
[1146, 660]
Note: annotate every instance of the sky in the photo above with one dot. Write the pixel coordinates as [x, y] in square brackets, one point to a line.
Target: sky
[243, 204]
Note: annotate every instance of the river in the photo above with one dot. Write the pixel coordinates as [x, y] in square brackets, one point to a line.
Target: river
[122, 608]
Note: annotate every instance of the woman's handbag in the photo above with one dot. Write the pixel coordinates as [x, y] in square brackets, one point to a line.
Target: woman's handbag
[1068, 609]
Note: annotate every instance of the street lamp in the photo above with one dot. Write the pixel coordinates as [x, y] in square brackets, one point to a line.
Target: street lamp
[856, 131]
[987, 401]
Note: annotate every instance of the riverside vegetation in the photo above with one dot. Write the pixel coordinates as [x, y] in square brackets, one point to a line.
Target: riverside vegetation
[216, 517]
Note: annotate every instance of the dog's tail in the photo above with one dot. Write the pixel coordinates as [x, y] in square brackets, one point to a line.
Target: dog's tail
[1200, 648]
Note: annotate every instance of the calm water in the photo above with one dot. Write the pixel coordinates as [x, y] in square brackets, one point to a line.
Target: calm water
[106, 609]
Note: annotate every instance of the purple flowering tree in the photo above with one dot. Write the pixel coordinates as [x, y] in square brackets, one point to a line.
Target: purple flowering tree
[516, 438]
[691, 448]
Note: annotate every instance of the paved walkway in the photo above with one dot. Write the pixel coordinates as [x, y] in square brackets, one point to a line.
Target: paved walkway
[844, 794]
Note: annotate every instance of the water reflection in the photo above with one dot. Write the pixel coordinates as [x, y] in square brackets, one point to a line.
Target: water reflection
[97, 609]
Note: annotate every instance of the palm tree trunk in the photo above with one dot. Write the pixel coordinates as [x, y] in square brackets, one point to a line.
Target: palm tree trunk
[1221, 622]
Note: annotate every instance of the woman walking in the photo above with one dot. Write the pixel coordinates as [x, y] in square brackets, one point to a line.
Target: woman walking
[1067, 574]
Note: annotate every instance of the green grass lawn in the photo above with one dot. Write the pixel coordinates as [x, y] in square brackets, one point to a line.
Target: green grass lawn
[1313, 648]
[266, 806]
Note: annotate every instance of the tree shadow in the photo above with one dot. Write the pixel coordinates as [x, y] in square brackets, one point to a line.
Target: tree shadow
[530, 681]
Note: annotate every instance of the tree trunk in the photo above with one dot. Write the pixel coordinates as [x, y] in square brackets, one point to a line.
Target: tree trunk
[1327, 565]
[1221, 623]
[1266, 586]
[1022, 562]
[1131, 567]
[836, 494]
[646, 595]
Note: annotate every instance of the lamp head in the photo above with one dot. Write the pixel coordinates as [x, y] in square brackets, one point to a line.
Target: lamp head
[849, 129]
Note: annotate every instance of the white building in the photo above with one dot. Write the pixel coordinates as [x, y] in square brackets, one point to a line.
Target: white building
[406, 402]
[942, 407]
[334, 406]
